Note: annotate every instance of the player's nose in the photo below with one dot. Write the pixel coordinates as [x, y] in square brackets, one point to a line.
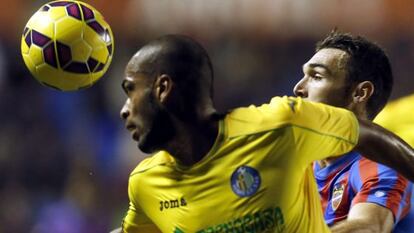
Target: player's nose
[300, 89]
[124, 113]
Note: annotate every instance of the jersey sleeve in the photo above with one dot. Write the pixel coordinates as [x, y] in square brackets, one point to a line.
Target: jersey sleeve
[136, 221]
[376, 183]
[319, 130]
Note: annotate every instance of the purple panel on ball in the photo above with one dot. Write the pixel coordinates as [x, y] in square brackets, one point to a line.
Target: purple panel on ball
[73, 10]
[45, 8]
[28, 38]
[92, 63]
[96, 27]
[100, 67]
[49, 55]
[39, 39]
[77, 67]
[109, 47]
[60, 3]
[87, 13]
[64, 54]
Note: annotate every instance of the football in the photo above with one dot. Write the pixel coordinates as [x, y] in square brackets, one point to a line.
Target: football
[67, 45]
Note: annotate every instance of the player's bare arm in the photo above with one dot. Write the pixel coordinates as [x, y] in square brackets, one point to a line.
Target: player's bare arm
[384, 147]
[366, 217]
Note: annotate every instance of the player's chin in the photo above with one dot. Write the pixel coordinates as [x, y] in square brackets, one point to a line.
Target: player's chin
[147, 150]
[147, 147]
[154, 140]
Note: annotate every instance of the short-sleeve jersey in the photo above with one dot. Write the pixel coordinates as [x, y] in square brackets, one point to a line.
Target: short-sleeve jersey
[353, 179]
[398, 117]
[256, 178]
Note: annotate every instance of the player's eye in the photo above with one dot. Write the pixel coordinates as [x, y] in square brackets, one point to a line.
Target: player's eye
[127, 86]
[317, 76]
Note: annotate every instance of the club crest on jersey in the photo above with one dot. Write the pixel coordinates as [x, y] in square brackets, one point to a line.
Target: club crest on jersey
[245, 181]
[337, 195]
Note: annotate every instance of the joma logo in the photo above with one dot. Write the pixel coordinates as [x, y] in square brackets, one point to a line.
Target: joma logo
[170, 204]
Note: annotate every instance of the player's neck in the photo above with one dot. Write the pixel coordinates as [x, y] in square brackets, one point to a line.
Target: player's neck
[194, 140]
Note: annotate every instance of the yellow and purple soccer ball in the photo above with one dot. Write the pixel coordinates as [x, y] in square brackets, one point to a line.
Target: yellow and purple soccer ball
[67, 45]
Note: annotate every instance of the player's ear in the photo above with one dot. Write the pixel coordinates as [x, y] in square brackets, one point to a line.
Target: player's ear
[163, 87]
[363, 91]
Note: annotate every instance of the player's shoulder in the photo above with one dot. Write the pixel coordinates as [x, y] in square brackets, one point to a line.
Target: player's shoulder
[254, 119]
[367, 169]
[363, 164]
[256, 113]
[281, 112]
[158, 159]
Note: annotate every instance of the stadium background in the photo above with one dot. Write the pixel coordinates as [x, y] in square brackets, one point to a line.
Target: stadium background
[65, 157]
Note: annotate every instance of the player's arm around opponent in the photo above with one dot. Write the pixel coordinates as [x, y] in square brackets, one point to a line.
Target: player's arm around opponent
[366, 217]
[384, 147]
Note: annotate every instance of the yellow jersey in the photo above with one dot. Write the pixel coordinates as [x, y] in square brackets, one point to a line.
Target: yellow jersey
[256, 178]
[398, 117]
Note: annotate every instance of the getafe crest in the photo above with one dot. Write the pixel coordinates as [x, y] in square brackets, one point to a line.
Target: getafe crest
[337, 195]
[245, 181]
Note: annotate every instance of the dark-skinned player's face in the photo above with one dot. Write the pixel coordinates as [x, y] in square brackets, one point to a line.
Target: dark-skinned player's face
[325, 79]
[144, 117]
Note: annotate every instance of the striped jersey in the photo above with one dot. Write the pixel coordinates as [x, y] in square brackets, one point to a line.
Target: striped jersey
[353, 179]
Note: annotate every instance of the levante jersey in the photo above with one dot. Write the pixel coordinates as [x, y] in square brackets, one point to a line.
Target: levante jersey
[398, 117]
[352, 179]
[256, 178]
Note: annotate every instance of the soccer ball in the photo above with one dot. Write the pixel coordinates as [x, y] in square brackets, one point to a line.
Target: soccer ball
[67, 45]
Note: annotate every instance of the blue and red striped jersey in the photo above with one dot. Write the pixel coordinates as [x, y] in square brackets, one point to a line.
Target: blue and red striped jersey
[353, 179]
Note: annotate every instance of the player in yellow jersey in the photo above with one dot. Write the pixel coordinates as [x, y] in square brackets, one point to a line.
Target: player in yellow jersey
[245, 171]
[398, 117]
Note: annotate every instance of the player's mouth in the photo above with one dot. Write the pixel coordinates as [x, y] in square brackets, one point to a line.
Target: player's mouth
[133, 130]
[135, 135]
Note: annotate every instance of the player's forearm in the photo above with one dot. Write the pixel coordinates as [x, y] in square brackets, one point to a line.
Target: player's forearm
[356, 226]
[366, 217]
[382, 146]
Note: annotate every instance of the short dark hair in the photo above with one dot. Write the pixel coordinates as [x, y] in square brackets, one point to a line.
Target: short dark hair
[187, 62]
[367, 62]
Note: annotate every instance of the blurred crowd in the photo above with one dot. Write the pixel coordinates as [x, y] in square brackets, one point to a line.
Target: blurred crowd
[65, 157]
